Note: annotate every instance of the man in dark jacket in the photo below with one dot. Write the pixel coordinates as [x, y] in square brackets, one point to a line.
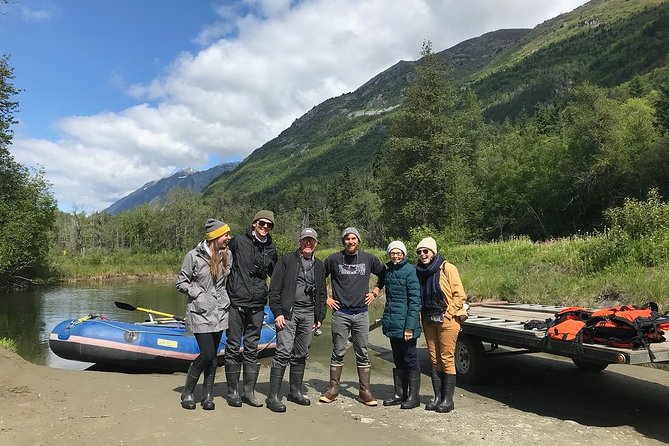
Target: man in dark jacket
[254, 257]
[350, 271]
[297, 300]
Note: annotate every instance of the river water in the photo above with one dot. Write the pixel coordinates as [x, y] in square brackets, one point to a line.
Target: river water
[28, 317]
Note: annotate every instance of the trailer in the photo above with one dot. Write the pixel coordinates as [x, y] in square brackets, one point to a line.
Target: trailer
[492, 325]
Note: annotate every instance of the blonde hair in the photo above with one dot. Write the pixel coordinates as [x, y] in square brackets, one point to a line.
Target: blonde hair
[216, 271]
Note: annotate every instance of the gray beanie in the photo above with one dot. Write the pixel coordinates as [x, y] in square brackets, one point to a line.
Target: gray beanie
[397, 245]
[350, 230]
[215, 228]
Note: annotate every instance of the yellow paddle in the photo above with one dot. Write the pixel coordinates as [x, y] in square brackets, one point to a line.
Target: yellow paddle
[125, 306]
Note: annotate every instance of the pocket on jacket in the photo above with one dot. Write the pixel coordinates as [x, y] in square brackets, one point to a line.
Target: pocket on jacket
[205, 302]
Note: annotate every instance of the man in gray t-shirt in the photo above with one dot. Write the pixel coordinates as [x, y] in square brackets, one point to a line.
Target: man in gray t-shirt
[350, 271]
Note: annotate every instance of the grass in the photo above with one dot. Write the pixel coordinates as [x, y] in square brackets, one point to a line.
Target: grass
[121, 263]
[9, 344]
[559, 272]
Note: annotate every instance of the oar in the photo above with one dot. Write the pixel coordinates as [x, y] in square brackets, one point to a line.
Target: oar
[125, 306]
[376, 324]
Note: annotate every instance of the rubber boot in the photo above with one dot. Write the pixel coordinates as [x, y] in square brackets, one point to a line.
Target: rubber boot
[400, 381]
[273, 400]
[232, 378]
[333, 392]
[437, 377]
[364, 375]
[192, 377]
[251, 372]
[447, 390]
[296, 379]
[209, 377]
[413, 394]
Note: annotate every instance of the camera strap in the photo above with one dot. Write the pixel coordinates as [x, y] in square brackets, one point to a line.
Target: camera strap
[308, 269]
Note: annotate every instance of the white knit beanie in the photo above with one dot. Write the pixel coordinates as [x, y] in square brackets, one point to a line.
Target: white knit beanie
[429, 243]
[397, 245]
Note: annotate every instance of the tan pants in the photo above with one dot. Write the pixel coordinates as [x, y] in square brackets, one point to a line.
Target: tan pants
[441, 341]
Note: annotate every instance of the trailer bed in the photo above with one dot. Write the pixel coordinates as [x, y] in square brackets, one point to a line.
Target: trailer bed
[501, 324]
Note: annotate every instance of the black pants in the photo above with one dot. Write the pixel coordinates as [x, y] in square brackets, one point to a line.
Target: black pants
[208, 343]
[405, 354]
[243, 324]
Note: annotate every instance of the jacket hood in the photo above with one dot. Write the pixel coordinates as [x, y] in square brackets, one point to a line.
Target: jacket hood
[249, 234]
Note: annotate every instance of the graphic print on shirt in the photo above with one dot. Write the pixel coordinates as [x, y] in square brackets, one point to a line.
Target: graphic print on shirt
[355, 269]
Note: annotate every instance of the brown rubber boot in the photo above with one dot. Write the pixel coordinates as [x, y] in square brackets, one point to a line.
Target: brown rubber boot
[364, 374]
[333, 392]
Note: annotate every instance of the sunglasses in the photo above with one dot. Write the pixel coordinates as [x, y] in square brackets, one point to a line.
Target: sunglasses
[422, 251]
[263, 223]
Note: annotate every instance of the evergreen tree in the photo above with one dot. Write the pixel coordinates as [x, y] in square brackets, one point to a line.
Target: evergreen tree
[662, 110]
[425, 177]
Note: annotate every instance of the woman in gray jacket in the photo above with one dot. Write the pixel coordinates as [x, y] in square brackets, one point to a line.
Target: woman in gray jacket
[202, 278]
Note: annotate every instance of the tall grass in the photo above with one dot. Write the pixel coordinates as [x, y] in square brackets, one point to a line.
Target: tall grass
[9, 344]
[119, 263]
[592, 271]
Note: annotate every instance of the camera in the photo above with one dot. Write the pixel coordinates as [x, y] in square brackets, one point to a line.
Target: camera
[258, 270]
[310, 290]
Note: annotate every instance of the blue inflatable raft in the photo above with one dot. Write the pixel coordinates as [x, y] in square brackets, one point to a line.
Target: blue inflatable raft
[163, 345]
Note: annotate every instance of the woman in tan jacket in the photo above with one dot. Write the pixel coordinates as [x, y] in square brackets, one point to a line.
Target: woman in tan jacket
[443, 308]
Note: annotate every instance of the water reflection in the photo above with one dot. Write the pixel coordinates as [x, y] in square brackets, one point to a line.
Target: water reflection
[29, 317]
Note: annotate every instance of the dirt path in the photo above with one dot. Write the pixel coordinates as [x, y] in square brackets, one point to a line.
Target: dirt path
[528, 400]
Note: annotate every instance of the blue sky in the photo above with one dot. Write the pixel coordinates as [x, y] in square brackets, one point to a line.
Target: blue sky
[120, 93]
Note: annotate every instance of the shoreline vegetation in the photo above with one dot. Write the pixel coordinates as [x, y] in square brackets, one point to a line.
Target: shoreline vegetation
[591, 271]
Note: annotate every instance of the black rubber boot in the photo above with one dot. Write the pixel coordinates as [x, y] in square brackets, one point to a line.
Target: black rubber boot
[273, 400]
[413, 395]
[209, 377]
[250, 379]
[232, 378]
[436, 385]
[192, 377]
[400, 381]
[296, 379]
[447, 390]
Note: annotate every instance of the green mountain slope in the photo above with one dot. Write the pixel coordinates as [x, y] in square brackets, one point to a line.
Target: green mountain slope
[605, 42]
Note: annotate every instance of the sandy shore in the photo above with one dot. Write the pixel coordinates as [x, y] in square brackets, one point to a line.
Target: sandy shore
[530, 399]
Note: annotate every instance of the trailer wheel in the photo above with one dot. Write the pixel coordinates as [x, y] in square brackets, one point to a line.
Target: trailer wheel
[469, 359]
[588, 366]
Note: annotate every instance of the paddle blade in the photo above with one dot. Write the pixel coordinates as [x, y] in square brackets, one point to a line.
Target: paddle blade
[124, 306]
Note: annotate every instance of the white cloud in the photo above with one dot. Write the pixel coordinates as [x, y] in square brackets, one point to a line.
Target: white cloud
[36, 15]
[254, 75]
